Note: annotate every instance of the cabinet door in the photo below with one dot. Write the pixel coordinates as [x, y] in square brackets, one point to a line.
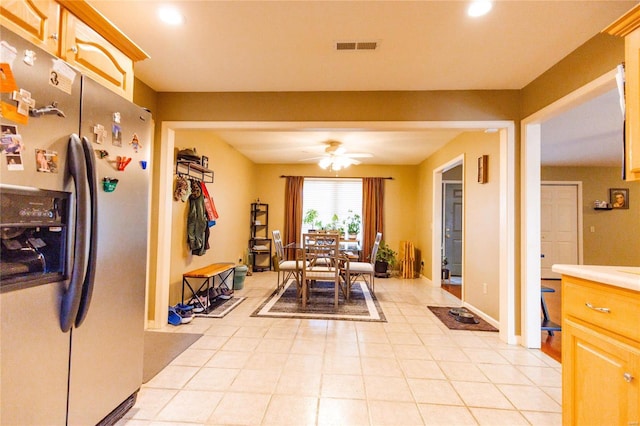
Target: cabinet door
[36, 21]
[83, 47]
[600, 379]
[632, 95]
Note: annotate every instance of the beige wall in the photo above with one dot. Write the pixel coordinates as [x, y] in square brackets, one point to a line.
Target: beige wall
[616, 232]
[469, 105]
[599, 55]
[400, 195]
[481, 221]
[232, 192]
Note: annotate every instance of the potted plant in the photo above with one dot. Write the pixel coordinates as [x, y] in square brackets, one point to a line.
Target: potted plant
[385, 258]
[334, 225]
[352, 223]
[311, 219]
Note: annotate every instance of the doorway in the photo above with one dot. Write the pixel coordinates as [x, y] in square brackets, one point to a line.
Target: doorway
[452, 232]
[530, 199]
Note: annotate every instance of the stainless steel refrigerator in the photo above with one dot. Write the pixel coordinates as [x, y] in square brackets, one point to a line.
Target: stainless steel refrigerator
[59, 366]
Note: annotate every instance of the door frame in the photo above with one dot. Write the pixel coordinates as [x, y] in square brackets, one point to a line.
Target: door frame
[530, 200]
[163, 176]
[506, 324]
[579, 222]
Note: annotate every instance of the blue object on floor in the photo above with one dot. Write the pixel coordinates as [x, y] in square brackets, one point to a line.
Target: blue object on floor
[547, 325]
[174, 318]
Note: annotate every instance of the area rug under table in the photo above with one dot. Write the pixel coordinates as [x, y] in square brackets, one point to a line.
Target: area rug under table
[362, 305]
[443, 314]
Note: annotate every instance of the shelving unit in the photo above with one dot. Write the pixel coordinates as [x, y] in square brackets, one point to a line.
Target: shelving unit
[260, 243]
[194, 170]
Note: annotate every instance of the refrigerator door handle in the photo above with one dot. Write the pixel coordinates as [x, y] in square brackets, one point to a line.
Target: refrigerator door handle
[72, 296]
[89, 278]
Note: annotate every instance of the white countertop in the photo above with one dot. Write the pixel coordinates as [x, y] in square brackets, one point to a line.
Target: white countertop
[620, 276]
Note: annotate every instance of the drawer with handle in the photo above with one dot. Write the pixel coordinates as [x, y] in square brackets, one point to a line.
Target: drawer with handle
[612, 308]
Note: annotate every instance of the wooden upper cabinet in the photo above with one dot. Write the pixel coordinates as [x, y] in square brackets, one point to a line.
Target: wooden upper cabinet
[84, 48]
[35, 20]
[628, 26]
[76, 32]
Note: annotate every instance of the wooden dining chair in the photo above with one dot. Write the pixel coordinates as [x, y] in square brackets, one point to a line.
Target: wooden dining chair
[285, 268]
[363, 269]
[322, 262]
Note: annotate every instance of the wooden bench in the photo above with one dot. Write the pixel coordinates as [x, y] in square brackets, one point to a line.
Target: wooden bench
[224, 271]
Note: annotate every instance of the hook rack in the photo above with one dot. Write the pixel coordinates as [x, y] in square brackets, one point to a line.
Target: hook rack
[194, 171]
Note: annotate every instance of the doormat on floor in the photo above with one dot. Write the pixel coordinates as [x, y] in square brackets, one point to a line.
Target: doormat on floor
[160, 348]
[362, 305]
[443, 314]
[222, 307]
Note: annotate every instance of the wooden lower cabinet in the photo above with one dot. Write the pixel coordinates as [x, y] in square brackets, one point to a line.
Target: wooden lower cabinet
[595, 390]
[600, 367]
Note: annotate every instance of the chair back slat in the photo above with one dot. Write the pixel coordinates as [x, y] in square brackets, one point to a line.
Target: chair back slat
[374, 250]
[277, 241]
[321, 249]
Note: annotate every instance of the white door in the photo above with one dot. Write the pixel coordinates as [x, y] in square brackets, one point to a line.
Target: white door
[558, 227]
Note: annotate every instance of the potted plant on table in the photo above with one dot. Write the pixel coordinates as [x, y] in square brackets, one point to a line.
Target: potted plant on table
[385, 258]
[311, 219]
[352, 224]
[334, 226]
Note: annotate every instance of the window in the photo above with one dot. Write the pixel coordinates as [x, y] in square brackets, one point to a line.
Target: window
[331, 199]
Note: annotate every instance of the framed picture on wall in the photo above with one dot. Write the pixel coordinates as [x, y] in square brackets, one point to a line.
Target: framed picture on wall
[619, 198]
[205, 162]
[483, 169]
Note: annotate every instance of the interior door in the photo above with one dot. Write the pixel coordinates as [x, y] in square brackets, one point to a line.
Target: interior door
[452, 231]
[558, 227]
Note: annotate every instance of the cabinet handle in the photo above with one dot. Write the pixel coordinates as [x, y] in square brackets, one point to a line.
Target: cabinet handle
[627, 377]
[603, 310]
[54, 36]
[74, 49]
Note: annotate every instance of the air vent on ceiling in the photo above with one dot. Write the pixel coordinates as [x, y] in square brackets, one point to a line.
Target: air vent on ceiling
[346, 45]
[367, 45]
[356, 45]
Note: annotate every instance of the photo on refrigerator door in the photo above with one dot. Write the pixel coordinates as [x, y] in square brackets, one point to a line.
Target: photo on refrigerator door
[46, 161]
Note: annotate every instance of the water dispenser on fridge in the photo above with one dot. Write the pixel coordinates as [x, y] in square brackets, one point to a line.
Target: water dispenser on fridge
[33, 237]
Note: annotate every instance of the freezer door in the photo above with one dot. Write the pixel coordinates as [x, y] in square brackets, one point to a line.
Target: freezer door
[106, 353]
[34, 357]
[34, 352]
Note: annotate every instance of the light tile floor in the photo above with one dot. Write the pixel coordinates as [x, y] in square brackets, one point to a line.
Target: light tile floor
[411, 370]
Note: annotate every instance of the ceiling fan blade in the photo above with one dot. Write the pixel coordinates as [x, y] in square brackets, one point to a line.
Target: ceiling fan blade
[313, 158]
[358, 155]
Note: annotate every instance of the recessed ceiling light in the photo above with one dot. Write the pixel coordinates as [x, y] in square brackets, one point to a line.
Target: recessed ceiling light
[170, 15]
[479, 8]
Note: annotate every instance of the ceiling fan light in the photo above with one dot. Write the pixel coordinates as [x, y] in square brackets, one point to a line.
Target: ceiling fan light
[325, 162]
[342, 162]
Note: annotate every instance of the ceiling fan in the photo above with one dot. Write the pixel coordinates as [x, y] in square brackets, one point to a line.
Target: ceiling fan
[336, 156]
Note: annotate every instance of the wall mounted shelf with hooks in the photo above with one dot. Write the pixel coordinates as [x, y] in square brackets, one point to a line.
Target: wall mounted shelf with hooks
[194, 171]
